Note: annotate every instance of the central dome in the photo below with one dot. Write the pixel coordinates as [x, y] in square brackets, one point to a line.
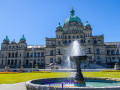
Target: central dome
[72, 17]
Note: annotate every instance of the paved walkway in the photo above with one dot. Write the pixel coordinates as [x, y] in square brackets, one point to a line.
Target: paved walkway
[16, 86]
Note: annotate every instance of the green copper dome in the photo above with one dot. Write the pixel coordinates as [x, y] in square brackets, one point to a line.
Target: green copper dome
[72, 17]
[6, 39]
[87, 24]
[23, 38]
[59, 26]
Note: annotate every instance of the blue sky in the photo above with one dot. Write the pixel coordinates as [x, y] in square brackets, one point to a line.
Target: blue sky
[37, 19]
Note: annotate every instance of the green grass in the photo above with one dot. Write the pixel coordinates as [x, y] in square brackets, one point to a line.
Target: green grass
[22, 77]
[102, 74]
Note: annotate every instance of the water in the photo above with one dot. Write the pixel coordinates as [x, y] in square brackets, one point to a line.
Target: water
[74, 49]
[88, 84]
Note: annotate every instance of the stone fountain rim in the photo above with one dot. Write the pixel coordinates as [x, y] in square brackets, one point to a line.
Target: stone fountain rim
[30, 84]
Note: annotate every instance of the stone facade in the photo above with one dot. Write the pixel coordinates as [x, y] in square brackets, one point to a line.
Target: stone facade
[19, 54]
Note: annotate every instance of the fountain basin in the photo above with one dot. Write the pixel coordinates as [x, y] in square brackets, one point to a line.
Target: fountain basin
[68, 84]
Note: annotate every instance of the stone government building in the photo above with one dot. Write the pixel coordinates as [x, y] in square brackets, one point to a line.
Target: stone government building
[19, 54]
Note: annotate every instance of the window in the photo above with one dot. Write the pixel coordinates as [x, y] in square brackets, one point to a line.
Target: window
[88, 41]
[99, 41]
[112, 52]
[26, 62]
[58, 42]
[65, 42]
[9, 55]
[69, 37]
[51, 53]
[73, 36]
[95, 42]
[42, 62]
[42, 54]
[34, 54]
[82, 41]
[49, 43]
[108, 52]
[8, 62]
[34, 61]
[31, 55]
[38, 54]
[109, 59]
[12, 54]
[98, 58]
[77, 36]
[15, 61]
[113, 59]
[65, 37]
[51, 60]
[117, 52]
[97, 51]
[27, 54]
[89, 50]
[69, 41]
[16, 54]
[58, 51]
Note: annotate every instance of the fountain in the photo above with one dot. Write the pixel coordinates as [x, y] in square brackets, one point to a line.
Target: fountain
[79, 79]
[75, 54]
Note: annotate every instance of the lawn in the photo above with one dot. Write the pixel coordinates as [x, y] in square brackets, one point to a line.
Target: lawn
[102, 74]
[22, 77]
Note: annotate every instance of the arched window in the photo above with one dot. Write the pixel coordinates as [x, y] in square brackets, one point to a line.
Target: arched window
[51, 60]
[38, 54]
[12, 54]
[34, 54]
[42, 54]
[27, 54]
[95, 42]
[31, 55]
[77, 36]
[82, 41]
[65, 42]
[51, 53]
[99, 41]
[69, 41]
[97, 51]
[117, 52]
[112, 52]
[108, 52]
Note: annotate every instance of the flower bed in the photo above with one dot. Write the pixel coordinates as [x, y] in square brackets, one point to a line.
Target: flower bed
[8, 72]
[110, 71]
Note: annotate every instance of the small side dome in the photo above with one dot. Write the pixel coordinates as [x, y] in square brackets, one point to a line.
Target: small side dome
[23, 40]
[6, 40]
[87, 24]
[59, 26]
